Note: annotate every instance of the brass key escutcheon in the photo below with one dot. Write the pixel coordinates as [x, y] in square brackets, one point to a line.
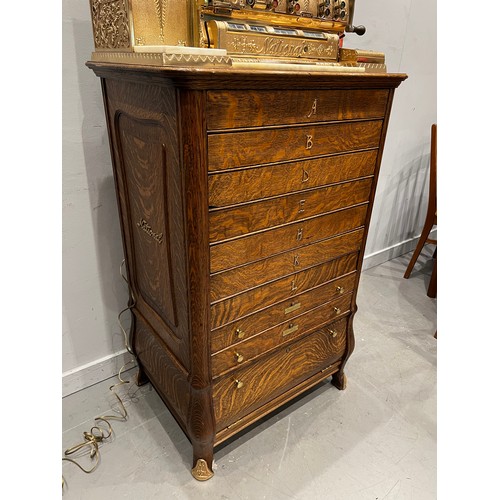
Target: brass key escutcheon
[239, 357]
[293, 307]
[291, 328]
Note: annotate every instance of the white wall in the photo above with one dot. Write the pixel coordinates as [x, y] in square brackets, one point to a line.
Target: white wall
[93, 291]
[406, 31]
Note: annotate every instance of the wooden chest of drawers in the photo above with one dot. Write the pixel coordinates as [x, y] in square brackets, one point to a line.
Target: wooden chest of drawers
[244, 202]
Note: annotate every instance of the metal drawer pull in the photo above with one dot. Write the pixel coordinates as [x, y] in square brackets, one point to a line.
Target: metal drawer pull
[291, 328]
[239, 384]
[333, 333]
[340, 289]
[293, 307]
[239, 357]
[336, 310]
[240, 333]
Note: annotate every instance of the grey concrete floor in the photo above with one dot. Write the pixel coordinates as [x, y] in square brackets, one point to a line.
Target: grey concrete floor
[375, 440]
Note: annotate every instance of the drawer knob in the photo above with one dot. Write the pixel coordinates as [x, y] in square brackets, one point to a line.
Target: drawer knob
[336, 310]
[239, 357]
[240, 333]
[332, 332]
[239, 384]
[340, 289]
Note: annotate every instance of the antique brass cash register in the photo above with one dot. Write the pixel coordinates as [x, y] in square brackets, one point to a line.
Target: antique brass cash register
[246, 144]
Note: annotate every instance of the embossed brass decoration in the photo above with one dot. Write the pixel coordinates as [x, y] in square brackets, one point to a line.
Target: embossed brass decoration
[110, 22]
[201, 471]
[158, 237]
[245, 34]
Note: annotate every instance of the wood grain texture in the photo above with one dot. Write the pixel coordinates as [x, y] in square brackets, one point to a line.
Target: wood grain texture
[248, 218]
[280, 312]
[143, 134]
[257, 273]
[237, 149]
[274, 374]
[254, 300]
[237, 108]
[279, 335]
[268, 243]
[281, 212]
[285, 178]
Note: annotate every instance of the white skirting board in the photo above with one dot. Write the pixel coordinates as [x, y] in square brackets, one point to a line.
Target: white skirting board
[389, 253]
[109, 366]
[96, 371]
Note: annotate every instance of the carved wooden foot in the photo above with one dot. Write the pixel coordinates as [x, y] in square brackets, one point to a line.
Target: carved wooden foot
[142, 378]
[201, 471]
[339, 380]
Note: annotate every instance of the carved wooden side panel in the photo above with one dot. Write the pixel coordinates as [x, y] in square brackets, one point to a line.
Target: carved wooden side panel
[148, 175]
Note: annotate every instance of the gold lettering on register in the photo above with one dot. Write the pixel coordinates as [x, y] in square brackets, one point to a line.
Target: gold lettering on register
[313, 109]
[309, 142]
[280, 47]
[158, 237]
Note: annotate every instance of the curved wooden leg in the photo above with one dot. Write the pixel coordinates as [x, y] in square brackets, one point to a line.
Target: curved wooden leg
[339, 380]
[142, 378]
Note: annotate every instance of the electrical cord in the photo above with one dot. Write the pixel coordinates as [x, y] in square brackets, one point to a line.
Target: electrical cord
[102, 429]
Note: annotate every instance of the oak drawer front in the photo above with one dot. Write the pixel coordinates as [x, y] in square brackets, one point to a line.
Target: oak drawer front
[257, 246]
[265, 379]
[243, 304]
[243, 278]
[240, 149]
[243, 108]
[244, 219]
[253, 324]
[247, 350]
[262, 182]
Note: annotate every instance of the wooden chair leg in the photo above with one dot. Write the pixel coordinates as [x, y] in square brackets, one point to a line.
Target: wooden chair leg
[421, 242]
[432, 289]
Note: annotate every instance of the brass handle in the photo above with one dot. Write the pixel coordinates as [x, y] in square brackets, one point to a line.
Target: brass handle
[239, 357]
[333, 333]
[340, 289]
[239, 384]
[291, 328]
[336, 310]
[293, 307]
[240, 333]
